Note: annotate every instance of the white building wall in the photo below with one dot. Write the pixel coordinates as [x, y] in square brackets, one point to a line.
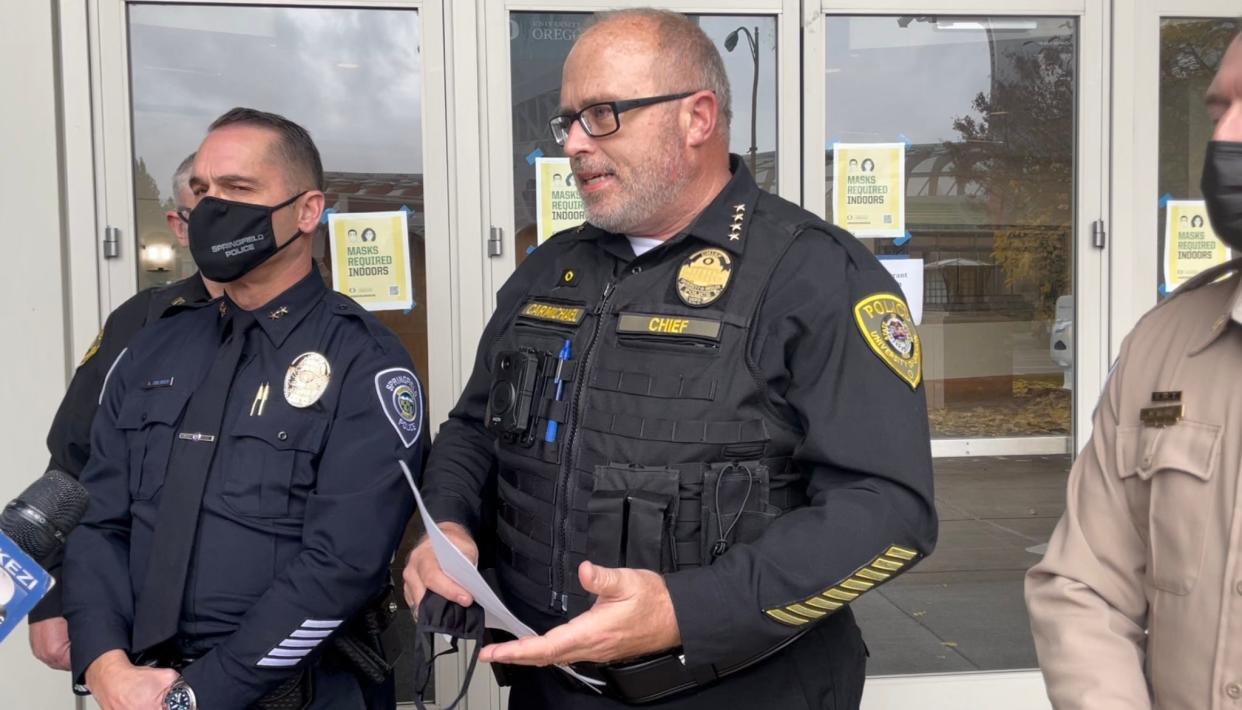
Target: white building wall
[33, 356]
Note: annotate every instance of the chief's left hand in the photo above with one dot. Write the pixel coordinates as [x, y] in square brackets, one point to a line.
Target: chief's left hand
[633, 616]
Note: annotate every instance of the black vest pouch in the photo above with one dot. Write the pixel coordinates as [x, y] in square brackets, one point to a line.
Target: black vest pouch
[736, 506]
[631, 516]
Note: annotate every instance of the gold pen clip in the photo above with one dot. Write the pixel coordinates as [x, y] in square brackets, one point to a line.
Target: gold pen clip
[260, 400]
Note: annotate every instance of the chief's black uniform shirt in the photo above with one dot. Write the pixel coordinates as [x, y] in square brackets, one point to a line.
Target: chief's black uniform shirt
[864, 447]
[303, 506]
[69, 438]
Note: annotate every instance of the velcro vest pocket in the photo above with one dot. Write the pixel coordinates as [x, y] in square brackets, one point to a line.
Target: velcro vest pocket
[631, 515]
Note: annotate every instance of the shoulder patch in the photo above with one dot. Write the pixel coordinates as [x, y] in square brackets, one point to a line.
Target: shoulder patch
[402, 401]
[94, 348]
[886, 325]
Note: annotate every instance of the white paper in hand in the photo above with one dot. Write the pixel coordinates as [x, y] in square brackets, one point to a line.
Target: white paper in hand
[461, 570]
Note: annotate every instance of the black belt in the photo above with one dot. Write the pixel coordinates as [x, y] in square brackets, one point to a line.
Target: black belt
[647, 680]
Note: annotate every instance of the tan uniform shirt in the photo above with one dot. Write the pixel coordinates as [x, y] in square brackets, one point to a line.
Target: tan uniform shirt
[1138, 601]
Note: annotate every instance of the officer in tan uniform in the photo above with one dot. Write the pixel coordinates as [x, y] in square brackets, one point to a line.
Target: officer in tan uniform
[1138, 601]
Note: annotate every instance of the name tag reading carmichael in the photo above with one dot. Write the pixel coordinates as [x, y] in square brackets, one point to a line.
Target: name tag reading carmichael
[553, 312]
[645, 324]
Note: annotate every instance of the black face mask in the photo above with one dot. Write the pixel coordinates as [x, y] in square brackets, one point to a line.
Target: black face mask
[437, 615]
[1222, 190]
[229, 239]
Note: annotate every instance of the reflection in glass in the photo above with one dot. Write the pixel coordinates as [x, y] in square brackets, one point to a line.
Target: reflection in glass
[986, 108]
[1190, 52]
[353, 78]
[539, 42]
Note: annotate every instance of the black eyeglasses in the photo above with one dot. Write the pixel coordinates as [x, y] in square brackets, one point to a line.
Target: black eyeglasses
[184, 214]
[604, 118]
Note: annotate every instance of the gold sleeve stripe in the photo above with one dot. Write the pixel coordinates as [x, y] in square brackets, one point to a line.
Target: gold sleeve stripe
[884, 567]
[901, 553]
[857, 585]
[806, 611]
[786, 618]
[840, 594]
[821, 603]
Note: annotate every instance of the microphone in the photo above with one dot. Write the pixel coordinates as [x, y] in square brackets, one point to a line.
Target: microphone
[33, 528]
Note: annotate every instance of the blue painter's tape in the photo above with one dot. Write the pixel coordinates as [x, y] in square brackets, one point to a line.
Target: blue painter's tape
[534, 155]
[1164, 199]
[323, 218]
[905, 140]
[530, 250]
[1164, 292]
[406, 210]
[903, 239]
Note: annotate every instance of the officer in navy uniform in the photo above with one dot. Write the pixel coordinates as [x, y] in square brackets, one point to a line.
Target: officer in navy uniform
[245, 480]
[701, 415]
[68, 439]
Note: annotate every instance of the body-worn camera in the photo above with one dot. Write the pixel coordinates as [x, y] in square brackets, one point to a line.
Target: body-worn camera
[516, 387]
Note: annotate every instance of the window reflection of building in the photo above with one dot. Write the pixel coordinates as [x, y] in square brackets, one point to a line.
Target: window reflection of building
[989, 205]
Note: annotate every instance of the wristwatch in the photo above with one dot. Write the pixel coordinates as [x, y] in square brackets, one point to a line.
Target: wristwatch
[180, 697]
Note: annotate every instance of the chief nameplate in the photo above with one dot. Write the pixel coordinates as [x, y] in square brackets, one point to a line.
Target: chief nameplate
[667, 325]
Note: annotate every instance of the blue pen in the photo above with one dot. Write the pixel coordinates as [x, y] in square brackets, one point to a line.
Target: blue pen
[561, 359]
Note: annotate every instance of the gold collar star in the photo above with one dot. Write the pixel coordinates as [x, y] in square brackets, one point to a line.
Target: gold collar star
[279, 313]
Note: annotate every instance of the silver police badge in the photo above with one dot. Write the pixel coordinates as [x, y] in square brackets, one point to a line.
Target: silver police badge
[307, 379]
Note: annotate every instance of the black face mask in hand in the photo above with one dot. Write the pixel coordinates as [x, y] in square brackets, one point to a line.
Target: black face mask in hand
[1222, 190]
[230, 239]
[437, 615]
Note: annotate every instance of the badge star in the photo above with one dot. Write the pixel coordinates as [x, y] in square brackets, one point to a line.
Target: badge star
[740, 207]
[279, 313]
[224, 310]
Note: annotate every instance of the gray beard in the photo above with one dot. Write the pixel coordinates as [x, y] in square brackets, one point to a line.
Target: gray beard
[651, 188]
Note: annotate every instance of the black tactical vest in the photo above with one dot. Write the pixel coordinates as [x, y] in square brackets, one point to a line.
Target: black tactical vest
[666, 449]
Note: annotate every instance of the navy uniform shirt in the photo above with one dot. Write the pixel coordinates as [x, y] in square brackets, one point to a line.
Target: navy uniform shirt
[69, 437]
[862, 418]
[303, 507]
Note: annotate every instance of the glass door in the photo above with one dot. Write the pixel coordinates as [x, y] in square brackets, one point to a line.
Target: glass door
[1162, 128]
[367, 82]
[961, 143]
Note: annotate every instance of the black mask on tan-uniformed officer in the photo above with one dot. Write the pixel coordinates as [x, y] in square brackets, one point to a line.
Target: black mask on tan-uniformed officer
[230, 239]
[1222, 190]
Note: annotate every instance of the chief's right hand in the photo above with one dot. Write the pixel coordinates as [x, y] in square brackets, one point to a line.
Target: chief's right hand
[118, 684]
[422, 570]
